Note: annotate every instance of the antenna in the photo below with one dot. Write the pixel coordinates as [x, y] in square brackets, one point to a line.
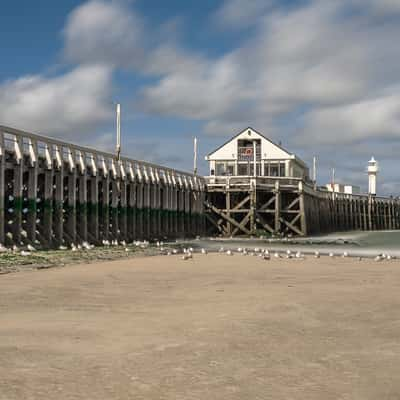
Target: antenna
[333, 179]
[315, 169]
[195, 156]
[118, 146]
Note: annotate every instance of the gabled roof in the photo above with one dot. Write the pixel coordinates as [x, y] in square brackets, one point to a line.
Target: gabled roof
[264, 137]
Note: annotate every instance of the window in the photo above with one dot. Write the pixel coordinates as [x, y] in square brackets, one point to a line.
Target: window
[220, 169]
[282, 169]
[242, 169]
[252, 169]
[266, 169]
[274, 169]
[230, 169]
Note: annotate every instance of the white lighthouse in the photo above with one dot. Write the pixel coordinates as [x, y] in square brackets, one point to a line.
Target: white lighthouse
[372, 171]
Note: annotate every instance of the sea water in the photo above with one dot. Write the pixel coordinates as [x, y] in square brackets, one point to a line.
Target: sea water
[355, 243]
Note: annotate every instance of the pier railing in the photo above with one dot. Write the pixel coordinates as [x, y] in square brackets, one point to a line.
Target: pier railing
[54, 193]
[20, 143]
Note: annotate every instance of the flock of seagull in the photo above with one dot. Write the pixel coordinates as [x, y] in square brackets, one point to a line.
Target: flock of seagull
[187, 253]
[265, 254]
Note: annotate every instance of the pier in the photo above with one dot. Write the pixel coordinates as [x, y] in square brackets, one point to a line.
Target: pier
[54, 193]
[248, 205]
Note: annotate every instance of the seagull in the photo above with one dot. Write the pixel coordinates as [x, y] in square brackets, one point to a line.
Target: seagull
[30, 247]
[25, 253]
[288, 252]
[345, 254]
[239, 250]
[277, 255]
[316, 254]
[331, 255]
[169, 253]
[126, 249]
[378, 258]
[15, 248]
[86, 245]
[229, 253]
[221, 250]
[123, 243]
[73, 247]
[62, 248]
[389, 257]
[187, 256]
[175, 251]
[256, 250]
[299, 255]
[266, 257]
[203, 251]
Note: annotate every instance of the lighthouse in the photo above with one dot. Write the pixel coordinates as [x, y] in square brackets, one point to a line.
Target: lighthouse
[372, 171]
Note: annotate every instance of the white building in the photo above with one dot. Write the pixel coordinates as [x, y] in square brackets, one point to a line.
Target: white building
[372, 171]
[238, 156]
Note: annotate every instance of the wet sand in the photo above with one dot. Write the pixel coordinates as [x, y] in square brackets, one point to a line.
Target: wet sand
[215, 327]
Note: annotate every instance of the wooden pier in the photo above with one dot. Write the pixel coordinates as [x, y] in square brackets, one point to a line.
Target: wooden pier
[54, 193]
[248, 205]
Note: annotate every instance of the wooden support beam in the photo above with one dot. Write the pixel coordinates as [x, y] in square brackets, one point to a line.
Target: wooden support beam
[231, 220]
[292, 226]
[243, 222]
[264, 224]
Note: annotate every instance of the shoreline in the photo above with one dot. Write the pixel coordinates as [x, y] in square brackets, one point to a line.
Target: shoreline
[12, 262]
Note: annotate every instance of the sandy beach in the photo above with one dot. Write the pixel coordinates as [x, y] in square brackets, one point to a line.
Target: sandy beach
[215, 327]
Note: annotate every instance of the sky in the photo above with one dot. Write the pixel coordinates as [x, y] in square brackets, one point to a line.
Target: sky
[319, 76]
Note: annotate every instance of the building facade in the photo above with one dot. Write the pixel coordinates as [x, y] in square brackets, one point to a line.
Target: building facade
[250, 153]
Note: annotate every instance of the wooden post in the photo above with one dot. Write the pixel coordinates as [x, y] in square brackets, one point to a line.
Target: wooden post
[253, 204]
[228, 208]
[93, 208]
[277, 193]
[123, 222]
[114, 208]
[32, 201]
[70, 222]
[48, 206]
[58, 206]
[83, 220]
[303, 216]
[17, 194]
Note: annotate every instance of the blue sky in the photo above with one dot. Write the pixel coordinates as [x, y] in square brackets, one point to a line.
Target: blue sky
[321, 76]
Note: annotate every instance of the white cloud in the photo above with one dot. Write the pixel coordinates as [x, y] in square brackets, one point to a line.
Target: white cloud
[374, 118]
[104, 31]
[236, 14]
[73, 103]
[309, 57]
